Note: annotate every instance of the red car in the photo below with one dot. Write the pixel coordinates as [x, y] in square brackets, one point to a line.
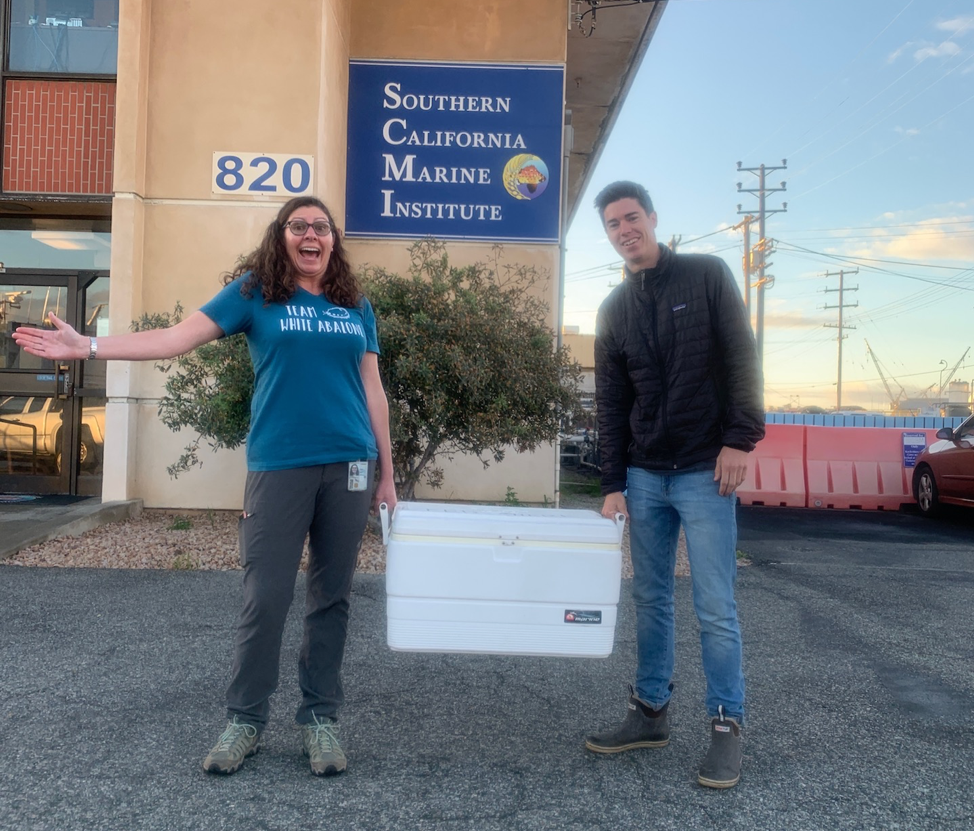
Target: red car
[944, 473]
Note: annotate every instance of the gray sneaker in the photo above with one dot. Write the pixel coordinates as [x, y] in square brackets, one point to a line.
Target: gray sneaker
[319, 742]
[237, 742]
[722, 766]
[642, 727]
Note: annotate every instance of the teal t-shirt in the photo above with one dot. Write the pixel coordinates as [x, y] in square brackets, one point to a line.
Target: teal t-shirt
[309, 403]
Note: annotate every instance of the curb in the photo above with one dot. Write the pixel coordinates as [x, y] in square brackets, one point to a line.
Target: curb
[67, 525]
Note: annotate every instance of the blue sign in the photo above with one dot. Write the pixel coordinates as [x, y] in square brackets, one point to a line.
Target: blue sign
[455, 151]
[913, 445]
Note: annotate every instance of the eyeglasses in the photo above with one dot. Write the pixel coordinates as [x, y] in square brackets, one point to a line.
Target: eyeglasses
[299, 227]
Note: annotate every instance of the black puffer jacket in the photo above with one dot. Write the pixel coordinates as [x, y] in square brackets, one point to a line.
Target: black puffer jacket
[676, 369]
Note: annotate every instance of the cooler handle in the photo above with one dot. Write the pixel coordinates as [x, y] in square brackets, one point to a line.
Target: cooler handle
[386, 521]
[620, 521]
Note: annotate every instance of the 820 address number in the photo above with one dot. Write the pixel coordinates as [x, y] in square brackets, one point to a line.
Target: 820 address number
[262, 174]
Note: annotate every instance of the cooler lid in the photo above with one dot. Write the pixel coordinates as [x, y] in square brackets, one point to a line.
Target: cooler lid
[435, 519]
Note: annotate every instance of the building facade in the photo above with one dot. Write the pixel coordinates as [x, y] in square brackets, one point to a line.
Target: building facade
[148, 143]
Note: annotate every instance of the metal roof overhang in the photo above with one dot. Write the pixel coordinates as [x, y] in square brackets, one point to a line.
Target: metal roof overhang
[598, 74]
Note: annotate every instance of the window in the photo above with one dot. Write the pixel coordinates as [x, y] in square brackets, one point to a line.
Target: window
[49, 243]
[12, 404]
[58, 61]
[51, 37]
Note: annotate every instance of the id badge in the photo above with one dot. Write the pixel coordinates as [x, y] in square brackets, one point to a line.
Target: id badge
[358, 476]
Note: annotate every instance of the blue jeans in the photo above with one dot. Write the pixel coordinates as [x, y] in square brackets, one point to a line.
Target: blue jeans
[658, 504]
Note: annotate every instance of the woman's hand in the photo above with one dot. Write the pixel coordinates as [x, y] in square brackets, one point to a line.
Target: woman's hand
[385, 491]
[62, 343]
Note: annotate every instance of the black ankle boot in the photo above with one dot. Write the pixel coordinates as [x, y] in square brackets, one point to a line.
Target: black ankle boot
[722, 766]
[642, 727]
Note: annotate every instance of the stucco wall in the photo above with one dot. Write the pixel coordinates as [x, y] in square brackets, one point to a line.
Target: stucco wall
[460, 30]
[267, 76]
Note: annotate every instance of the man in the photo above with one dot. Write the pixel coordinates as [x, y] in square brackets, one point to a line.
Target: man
[679, 401]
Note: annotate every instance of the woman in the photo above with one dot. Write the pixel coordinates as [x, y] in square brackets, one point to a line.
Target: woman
[319, 410]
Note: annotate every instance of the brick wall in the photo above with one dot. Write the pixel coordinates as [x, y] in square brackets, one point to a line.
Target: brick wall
[58, 137]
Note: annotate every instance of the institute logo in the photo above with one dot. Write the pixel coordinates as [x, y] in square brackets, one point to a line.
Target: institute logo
[526, 176]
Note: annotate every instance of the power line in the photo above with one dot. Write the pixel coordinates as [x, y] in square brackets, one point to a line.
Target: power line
[934, 234]
[704, 236]
[596, 273]
[884, 150]
[832, 80]
[857, 260]
[920, 224]
[600, 270]
[883, 114]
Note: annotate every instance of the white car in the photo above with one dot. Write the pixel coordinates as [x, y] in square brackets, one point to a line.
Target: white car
[31, 425]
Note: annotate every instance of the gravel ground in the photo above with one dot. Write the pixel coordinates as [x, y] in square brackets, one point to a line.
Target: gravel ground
[207, 540]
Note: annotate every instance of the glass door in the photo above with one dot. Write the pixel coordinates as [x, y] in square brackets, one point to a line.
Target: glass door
[52, 413]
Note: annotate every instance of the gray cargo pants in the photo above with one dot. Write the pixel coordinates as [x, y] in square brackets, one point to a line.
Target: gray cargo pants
[281, 509]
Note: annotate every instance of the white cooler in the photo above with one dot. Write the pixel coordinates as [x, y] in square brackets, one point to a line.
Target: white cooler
[502, 580]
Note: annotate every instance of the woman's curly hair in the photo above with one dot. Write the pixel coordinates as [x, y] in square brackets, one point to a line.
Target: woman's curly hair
[270, 268]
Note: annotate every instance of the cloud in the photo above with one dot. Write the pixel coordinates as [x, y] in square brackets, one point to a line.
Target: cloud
[925, 49]
[907, 131]
[896, 53]
[946, 49]
[714, 242]
[933, 240]
[957, 25]
[791, 319]
[934, 214]
[698, 248]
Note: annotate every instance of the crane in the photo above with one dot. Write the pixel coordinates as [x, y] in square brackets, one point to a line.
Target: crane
[951, 374]
[894, 400]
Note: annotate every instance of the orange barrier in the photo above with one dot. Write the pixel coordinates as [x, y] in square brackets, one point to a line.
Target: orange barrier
[858, 467]
[776, 469]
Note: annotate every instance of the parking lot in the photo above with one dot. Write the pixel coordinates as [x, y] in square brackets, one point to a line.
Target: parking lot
[860, 683]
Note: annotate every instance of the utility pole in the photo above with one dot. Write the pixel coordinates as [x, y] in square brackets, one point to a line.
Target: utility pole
[764, 245]
[674, 242]
[840, 325]
[745, 226]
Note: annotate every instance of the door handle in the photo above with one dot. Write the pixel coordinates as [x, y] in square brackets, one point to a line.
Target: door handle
[63, 387]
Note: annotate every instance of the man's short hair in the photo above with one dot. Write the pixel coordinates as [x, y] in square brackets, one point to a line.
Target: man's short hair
[623, 190]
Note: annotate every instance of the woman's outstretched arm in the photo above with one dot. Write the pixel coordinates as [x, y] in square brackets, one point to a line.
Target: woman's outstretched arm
[63, 343]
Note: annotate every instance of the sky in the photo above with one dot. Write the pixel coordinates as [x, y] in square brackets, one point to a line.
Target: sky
[871, 104]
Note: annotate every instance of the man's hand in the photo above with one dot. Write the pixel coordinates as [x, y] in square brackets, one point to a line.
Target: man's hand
[615, 503]
[731, 469]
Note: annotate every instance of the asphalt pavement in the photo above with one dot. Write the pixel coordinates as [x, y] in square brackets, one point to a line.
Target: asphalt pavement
[858, 655]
